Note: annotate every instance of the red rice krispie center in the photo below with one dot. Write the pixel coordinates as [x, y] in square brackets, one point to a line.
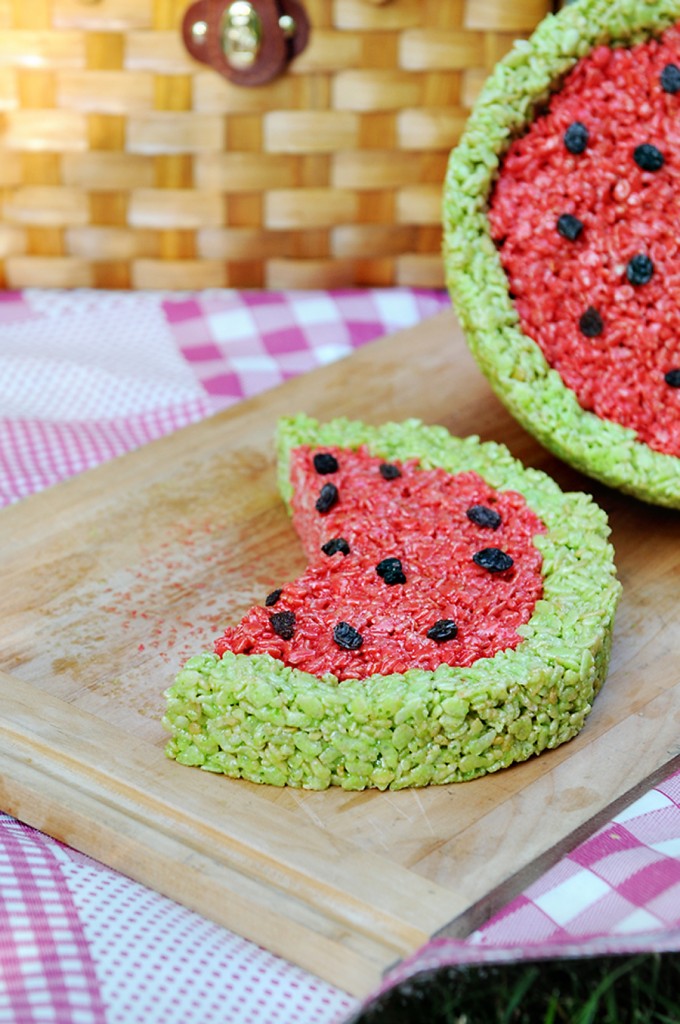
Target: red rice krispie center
[602, 300]
[417, 553]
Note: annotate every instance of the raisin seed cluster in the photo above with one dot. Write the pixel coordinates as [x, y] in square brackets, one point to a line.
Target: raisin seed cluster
[640, 268]
[389, 569]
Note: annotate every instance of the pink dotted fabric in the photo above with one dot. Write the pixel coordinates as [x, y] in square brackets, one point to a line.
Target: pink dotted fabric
[81, 944]
[86, 376]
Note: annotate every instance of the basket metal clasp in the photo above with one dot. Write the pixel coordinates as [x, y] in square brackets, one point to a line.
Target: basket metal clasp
[250, 42]
[241, 34]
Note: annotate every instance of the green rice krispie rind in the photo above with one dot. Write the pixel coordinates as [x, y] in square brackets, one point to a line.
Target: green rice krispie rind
[255, 718]
[512, 362]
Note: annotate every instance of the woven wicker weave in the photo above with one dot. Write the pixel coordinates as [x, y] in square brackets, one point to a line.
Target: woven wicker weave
[126, 164]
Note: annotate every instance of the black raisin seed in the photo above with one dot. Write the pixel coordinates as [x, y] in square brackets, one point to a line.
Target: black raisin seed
[272, 598]
[576, 137]
[482, 515]
[648, 157]
[569, 227]
[283, 624]
[493, 559]
[591, 323]
[324, 463]
[640, 269]
[331, 547]
[388, 471]
[672, 378]
[670, 78]
[328, 496]
[443, 629]
[347, 636]
[390, 569]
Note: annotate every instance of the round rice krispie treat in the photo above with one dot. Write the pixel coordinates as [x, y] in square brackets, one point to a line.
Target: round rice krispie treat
[455, 617]
[562, 239]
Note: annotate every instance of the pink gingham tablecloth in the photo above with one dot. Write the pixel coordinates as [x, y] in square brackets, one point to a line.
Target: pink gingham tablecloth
[86, 376]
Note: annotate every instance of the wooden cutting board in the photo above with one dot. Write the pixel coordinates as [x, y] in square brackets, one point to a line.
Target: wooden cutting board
[112, 579]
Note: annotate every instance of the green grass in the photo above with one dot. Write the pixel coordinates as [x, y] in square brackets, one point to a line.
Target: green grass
[639, 989]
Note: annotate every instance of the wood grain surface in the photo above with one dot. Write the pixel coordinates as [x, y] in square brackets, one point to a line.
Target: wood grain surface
[112, 579]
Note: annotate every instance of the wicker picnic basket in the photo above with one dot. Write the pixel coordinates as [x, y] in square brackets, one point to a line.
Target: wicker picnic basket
[126, 163]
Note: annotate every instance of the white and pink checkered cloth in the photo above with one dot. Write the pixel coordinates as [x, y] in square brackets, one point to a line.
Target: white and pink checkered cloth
[81, 944]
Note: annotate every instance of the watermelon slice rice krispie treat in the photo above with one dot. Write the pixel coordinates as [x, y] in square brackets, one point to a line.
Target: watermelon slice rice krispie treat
[562, 239]
[455, 617]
